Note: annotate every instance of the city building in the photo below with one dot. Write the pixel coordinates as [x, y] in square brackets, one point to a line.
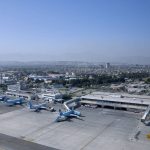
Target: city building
[108, 66]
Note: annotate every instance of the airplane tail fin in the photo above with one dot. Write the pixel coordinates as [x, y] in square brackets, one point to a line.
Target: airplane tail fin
[5, 99]
[72, 108]
[30, 104]
[60, 112]
[21, 100]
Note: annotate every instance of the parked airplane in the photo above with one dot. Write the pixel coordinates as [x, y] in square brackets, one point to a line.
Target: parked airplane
[17, 101]
[67, 114]
[3, 98]
[39, 107]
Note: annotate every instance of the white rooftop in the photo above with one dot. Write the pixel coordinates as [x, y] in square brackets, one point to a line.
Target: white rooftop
[116, 97]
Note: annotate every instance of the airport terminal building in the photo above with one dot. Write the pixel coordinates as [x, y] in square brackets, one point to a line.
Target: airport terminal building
[116, 100]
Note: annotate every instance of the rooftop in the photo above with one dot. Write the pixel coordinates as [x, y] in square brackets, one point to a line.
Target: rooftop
[116, 97]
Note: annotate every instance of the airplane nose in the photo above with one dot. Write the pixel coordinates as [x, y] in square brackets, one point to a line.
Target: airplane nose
[77, 113]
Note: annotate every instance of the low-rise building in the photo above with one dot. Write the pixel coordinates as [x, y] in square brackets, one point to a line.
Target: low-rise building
[116, 100]
[19, 94]
[51, 96]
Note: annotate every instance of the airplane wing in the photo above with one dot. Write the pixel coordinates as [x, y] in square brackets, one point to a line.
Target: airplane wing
[43, 104]
[17, 102]
[60, 118]
[37, 109]
[9, 102]
[42, 107]
[73, 115]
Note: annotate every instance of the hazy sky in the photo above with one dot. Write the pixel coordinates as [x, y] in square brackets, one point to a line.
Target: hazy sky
[78, 30]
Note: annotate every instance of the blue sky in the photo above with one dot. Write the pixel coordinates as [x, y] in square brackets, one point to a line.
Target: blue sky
[78, 30]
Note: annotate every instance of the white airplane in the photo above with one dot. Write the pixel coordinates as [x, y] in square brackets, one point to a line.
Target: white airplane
[12, 102]
[39, 107]
[67, 114]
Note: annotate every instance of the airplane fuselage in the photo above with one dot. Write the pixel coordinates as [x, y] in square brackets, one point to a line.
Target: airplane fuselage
[14, 102]
[68, 114]
[37, 107]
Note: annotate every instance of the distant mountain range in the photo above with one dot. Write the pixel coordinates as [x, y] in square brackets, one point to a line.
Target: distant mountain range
[120, 61]
[141, 60]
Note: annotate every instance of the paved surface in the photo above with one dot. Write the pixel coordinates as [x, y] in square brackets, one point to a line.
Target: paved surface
[4, 108]
[100, 129]
[12, 143]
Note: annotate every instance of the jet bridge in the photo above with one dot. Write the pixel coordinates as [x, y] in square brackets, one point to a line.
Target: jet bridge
[147, 112]
[72, 102]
